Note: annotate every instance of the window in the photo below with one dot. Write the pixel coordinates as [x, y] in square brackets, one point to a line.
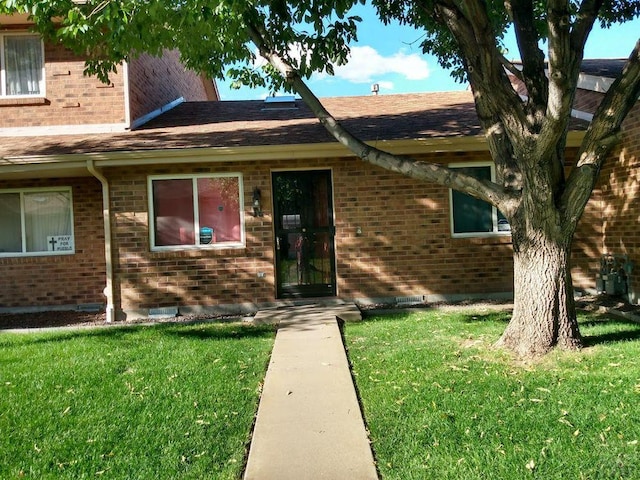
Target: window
[36, 222]
[200, 211]
[22, 62]
[471, 217]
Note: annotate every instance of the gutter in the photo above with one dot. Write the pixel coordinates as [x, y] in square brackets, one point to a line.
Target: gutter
[106, 213]
[213, 154]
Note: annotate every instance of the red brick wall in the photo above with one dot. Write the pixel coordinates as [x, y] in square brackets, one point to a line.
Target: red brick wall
[620, 183]
[155, 82]
[75, 99]
[157, 279]
[406, 247]
[587, 244]
[71, 97]
[61, 280]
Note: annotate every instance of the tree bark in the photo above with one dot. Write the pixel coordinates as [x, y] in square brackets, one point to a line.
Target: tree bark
[544, 314]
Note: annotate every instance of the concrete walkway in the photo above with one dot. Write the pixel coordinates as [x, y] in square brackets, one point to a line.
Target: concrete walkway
[309, 424]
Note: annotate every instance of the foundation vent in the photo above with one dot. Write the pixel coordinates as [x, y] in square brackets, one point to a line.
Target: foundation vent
[163, 312]
[410, 300]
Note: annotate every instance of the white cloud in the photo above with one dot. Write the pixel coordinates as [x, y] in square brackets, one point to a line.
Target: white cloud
[366, 64]
[384, 85]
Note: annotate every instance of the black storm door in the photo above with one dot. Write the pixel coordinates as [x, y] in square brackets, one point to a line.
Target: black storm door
[303, 218]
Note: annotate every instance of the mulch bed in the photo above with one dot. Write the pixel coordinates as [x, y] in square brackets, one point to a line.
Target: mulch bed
[50, 319]
[82, 319]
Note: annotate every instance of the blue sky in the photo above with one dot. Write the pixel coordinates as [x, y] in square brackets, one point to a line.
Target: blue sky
[391, 57]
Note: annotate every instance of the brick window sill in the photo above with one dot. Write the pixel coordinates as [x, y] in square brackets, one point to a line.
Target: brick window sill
[21, 102]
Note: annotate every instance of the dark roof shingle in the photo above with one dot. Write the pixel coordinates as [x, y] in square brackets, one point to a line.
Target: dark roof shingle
[248, 123]
[603, 67]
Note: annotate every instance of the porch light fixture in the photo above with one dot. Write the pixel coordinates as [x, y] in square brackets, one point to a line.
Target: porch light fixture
[257, 197]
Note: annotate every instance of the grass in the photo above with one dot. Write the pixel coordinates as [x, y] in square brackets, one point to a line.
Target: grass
[442, 403]
[142, 402]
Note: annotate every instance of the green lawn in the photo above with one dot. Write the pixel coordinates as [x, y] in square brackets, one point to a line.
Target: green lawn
[158, 402]
[441, 403]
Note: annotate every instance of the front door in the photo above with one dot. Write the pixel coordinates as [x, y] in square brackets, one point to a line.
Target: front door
[303, 219]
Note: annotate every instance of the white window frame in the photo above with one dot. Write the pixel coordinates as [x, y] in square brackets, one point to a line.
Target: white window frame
[23, 227]
[3, 72]
[197, 246]
[494, 211]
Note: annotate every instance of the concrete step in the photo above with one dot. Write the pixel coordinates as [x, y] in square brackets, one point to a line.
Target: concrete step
[347, 312]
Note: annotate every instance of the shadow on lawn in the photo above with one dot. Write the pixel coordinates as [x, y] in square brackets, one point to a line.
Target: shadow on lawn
[614, 329]
[199, 331]
[489, 317]
[625, 330]
[218, 332]
[613, 337]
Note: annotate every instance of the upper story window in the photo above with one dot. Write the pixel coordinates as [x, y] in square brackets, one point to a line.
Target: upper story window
[22, 65]
[471, 217]
[196, 211]
[36, 222]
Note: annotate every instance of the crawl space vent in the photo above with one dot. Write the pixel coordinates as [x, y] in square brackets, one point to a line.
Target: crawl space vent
[411, 300]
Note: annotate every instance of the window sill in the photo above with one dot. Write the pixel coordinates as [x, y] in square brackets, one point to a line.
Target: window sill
[502, 238]
[35, 254]
[481, 234]
[23, 101]
[200, 248]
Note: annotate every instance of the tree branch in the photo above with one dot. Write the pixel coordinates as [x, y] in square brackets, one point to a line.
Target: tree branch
[559, 24]
[601, 137]
[585, 19]
[511, 68]
[564, 67]
[484, 190]
[533, 65]
[494, 95]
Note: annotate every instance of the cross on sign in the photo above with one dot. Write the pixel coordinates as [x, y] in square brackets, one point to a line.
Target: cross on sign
[53, 242]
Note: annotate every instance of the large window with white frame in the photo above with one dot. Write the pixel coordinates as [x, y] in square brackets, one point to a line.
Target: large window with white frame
[36, 222]
[196, 211]
[471, 217]
[21, 65]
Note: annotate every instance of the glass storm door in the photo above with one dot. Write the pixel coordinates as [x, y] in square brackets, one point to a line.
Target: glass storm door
[303, 218]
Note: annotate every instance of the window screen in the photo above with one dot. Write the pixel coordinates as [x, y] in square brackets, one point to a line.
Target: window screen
[472, 216]
[36, 221]
[22, 65]
[197, 211]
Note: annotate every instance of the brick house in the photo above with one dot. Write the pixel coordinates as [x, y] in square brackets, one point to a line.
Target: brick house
[232, 206]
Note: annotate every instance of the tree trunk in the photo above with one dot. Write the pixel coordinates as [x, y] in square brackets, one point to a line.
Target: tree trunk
[544, 313]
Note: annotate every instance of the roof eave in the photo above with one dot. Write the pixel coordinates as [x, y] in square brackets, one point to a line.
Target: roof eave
[75, 164]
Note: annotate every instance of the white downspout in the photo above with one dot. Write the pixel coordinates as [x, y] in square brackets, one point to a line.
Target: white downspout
[127, 95]
[106, 215]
